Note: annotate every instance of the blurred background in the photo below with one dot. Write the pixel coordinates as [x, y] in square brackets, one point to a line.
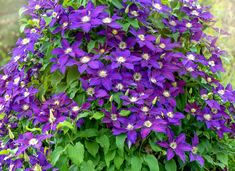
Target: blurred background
[223, 10]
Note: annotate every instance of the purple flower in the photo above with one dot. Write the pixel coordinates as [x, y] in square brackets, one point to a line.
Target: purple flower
[193, 154]
[124, 59]
[159, 7]
[87, 17]
[104, 76]
[153, 124]
[176, 146]
[110, 21]
[29, 140]
[144, 39]
[63, 25]
[129, 126]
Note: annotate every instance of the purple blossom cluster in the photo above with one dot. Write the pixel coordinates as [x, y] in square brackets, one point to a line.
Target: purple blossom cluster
[144, 67]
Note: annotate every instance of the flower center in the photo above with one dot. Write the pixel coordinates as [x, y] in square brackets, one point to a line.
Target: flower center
[162, 45]
[204, 96]
[4, 77]
[37, 7]
[148, 124]
[194, 150]
[221, 92]
[194, 12]
[214, 110]
[103, 74]
[76, 108]
[16, 80]
[141, 37]
[26, 94]
[145, 109]
[68, 50]
[7, 97]
[133, 99]
[107, 20]
[114, 31]
[207, 117]
[211, 63]
[153, 80]
[54, 14]
[90, 91]
[193, 110]
[173, 145]
[119, 86]
[191, 57]
[135, 13]
[157, 6]
[121, 59]
[146, 56]
[25, 107]
[65, 24]
[86, 19]
[33, 141]
[137, 76]
[113, 117]
[170, 114]
[166, 93]
[130, 127]
[172, 23]
[85, 59]
[25, 41]
[57, 102]
[190, 69]
[189, 25]
[122, 45]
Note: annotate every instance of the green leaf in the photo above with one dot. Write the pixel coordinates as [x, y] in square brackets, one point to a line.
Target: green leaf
[56, 155]
[170, 165]
[87, 166]
[92, 147]
[90, 46]
[117, 4]
[125, 112]
[152, 162]
[5, 152]
[98, 115]
[65, 124]
[76, 153]
[109, 157]
[136, 164]
[21, 11]
[72, 75]
[223, 158]
[118, 161]
[104, 142]
[87, 133]
[120, 140]
[47, 20]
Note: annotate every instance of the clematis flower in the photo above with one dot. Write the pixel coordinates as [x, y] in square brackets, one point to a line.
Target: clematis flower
[144, 39]
[110, 21]
[129, 126]
[175, 146]
[39, 162]
[63, 25]
[104, 76]
[194, 152]
[152, 124]
[159, 7]
[124, 59]
[86, 18]
[29, 140]
[215, 64]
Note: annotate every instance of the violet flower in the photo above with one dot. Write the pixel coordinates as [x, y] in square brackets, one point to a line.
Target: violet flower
[29, 140]
[194, 152]
[175, 146]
